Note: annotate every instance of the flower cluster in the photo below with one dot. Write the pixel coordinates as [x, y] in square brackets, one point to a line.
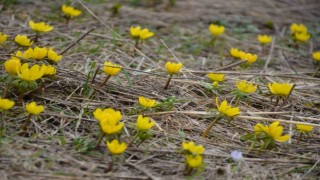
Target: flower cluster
[300, 32]
[194, 157]
[264, 39]
[248, 57]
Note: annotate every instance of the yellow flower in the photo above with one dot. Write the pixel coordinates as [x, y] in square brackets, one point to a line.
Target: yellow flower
[23, 40]
[173, 68]
[70, 11]
[110, 126]
[12, 66]
[3, 37]
[145, 34]
[216, 30]
[146, 102]
[111, 69]
[264, 39]
[105, 114]
[234, 52]
[135, 31]
[39, 53]
[280, 89]
[144, 123]
[273, 131]
[48, 70]
[192, 148]
[226, 109]
[32, 74]
[52, 55]
[216, 77]
[28, 54]
[34, 109]
[6, 104]
[316, 55]
[194, 161]
[304, 128]
[302, 37]
[245, 87]
[298, 28]
[115, 147]
[215, 84]
[251, 58]
[40, 27]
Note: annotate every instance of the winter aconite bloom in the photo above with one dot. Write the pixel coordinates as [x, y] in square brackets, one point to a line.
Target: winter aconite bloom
[135, 31]
[146, 102]
[216, 30]
[246, 87]
[48, 70]
[23, 40]
[109, 120]
[191, 148]
[280, 89]
[173, 68]
[30, 74]
[138, 33]
[144, 123]
[12, 66]
[39, 53]
[145, 34]
[53, 56]
[274, 131]
[302, 37]
[226, 109]
[304, 128]
[216, 77]
[3, 37]
[40, 27]
[70, 11]
[27, 54]
[316, 55]
[34, 109]
[298, 28]
[234, 52]
[194, 161]
[115, 147]
[250, 58]
[264, 39]
[111, 69]
[6, 104]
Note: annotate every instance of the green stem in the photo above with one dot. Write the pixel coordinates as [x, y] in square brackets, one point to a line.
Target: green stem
[105, 81]
[238, 101]
[206, 132]
[99, 139]
[95, 74]
[168, 82]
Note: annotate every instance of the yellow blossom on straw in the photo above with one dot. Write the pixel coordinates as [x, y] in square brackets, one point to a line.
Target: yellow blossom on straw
[251, 58]
[145, 34]
[34, 109]
[48, 70]
[23, 40]
[102, 115]
[27, 54]
[115, 147]
[173, 68]
[192, 148]
[194, 161]
[109, 120]
[302, 37]
[280, 89]
[53, 56]
[246, 87]
[40, 27]
[264, 39]
[111, 69]
[39, 53]
[216, 30]
[70, 11]
[135, 31]
[30, 74]
[234, 52]
[316, 55]
[6, 104]
[298, 28]
[226, 109]
[144, 123]
[304, 128]
[12, 66]
[3, 37]
[273, 131]
[216, 77]
[146, 102]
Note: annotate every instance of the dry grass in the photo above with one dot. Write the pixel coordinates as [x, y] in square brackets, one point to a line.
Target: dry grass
[58, 149]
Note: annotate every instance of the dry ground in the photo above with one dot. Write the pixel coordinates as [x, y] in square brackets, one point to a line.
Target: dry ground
[58, 149]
